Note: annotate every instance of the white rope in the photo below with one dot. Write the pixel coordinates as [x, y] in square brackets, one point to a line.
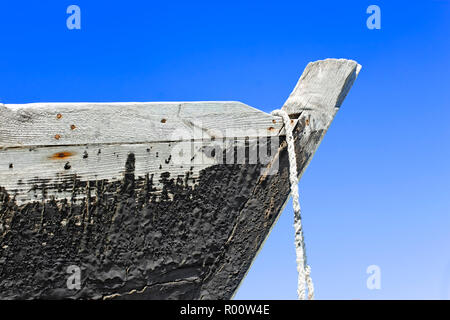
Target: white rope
[304, 271]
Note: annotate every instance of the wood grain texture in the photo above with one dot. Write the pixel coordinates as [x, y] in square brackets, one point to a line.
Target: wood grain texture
[140, 232]
[322, 87]
[35, 174]
[44, 144]
[50, 124]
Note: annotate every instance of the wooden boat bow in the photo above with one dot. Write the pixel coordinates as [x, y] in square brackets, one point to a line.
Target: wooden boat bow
[150, 200]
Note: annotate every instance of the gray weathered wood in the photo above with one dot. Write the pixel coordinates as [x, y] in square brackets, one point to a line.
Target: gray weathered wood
[48, 142]
[140, 224]
[25, 172]
[50, 124]
[322, 87]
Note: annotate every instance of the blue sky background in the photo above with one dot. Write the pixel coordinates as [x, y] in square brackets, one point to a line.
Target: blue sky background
[377, 191]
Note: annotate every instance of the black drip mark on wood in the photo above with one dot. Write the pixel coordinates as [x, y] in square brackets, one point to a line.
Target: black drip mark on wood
[128, 181]
[67, 166]
[85, 155]
[11, 166]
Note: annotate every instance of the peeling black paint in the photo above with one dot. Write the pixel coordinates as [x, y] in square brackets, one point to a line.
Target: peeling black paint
[182, 241]
[128, 236]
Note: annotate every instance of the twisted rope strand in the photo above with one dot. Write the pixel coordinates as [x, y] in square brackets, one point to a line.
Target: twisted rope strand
[304, 271]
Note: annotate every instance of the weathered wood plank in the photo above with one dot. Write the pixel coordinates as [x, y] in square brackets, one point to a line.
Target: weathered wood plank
[35, 174]
[50, 124]
[315, 100]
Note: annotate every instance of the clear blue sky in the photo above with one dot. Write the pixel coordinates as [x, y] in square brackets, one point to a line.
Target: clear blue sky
[377, 190]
